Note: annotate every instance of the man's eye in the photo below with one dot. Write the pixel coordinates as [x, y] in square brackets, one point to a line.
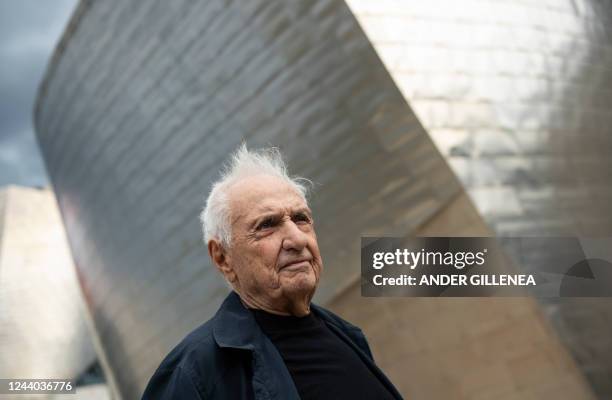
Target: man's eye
[266, 223]
[301, 218]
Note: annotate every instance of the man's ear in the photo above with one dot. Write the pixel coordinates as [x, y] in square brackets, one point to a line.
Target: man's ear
[219, 257]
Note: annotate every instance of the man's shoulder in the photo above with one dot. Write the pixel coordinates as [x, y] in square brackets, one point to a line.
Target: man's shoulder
[205, 358]
[180, 373]
[196, 348]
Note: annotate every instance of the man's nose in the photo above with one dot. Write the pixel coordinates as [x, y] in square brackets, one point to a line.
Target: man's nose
[294, 238]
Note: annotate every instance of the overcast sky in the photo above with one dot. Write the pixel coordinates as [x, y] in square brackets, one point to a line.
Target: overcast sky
[29, 30]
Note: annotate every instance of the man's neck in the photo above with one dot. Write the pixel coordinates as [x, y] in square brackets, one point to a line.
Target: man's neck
[298, 308]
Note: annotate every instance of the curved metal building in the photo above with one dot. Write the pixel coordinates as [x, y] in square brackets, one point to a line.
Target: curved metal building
[43, 332]
[400, 124]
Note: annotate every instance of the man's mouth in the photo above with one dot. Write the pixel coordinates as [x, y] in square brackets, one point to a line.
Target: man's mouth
[297, 264]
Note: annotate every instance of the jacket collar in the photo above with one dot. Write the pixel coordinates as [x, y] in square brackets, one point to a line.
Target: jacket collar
[234, 326]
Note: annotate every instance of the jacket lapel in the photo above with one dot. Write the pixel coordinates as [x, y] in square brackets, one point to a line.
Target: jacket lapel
[235, 327]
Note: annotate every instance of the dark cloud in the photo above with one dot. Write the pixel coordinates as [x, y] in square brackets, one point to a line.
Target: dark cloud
[29, 30]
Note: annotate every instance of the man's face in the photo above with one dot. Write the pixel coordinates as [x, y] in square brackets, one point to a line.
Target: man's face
[274, 251]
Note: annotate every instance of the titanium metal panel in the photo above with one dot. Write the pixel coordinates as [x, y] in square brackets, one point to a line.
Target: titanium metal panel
[516, 95]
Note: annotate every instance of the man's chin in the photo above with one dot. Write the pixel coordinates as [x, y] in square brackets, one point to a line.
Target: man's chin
[299, 285]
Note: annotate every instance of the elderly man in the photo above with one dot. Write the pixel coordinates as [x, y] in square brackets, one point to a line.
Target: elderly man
[267, 340]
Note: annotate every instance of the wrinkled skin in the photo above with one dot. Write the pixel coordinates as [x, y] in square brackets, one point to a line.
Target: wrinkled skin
[273, 261]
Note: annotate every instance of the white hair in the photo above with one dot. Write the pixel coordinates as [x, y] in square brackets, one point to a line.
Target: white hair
[215, 217]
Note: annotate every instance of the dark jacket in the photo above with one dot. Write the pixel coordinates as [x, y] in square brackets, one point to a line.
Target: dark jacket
[229, 357]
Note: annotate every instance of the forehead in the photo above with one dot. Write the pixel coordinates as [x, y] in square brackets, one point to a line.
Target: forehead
[259, 194]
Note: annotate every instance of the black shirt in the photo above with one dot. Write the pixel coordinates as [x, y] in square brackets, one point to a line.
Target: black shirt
[322, 365]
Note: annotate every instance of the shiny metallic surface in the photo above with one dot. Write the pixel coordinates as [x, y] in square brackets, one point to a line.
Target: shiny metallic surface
[43, 332]
[516, 95]
[143, 101]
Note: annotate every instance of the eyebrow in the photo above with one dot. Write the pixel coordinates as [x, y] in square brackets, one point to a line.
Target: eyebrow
[274, 213]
